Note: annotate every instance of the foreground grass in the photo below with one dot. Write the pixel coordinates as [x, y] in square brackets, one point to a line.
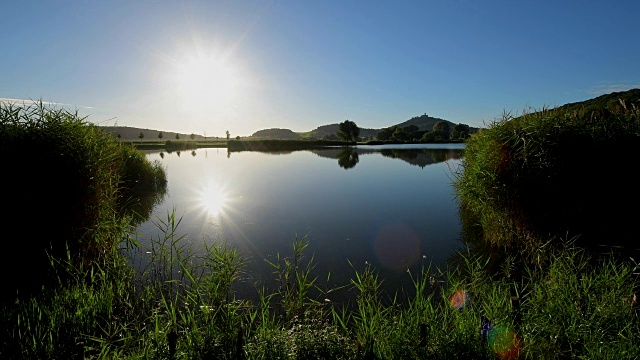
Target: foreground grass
[182, 306]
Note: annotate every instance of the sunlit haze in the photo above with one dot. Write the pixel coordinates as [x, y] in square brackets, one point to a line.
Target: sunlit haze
[208, 67]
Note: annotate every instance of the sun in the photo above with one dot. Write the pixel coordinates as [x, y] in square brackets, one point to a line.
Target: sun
[206, 82]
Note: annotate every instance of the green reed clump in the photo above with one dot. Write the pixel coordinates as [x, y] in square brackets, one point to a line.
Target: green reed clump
[61, 170]
[577, 308]
[143, 184]
[91, 311]
[70, 179]
[295, 280]
[550, 173]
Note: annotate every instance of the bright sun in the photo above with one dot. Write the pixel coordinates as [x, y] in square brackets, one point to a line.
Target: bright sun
[205, 82]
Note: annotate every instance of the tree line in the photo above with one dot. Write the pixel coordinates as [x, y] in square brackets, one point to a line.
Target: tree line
[441, 131]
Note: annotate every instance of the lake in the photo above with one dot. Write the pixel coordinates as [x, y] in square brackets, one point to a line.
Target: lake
[392, 206]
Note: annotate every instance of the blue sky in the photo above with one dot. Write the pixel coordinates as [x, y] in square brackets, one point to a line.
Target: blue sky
[211, 66]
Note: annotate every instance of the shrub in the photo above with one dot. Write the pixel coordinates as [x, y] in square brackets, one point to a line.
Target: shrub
[68, 179]
[552, 173]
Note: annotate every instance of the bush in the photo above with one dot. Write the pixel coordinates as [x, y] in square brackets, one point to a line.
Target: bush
[553, 173]
[68, 179]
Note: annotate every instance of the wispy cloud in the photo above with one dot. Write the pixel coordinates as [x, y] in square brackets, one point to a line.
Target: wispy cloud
[609, 88]
[31, 101]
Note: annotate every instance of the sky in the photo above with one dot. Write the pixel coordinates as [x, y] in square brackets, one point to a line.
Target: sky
[211, 66]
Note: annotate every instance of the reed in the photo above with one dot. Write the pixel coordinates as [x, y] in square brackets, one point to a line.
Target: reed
[548, 173]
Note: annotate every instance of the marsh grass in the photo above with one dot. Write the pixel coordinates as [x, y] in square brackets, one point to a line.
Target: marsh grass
[71, 181]
[551, 173]
[183, 306]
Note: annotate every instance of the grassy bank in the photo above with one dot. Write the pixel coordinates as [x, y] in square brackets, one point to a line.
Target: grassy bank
[176, 145]
[73, 189]
[555, 172]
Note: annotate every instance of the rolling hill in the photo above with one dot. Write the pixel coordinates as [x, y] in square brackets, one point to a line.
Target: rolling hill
[423, 122]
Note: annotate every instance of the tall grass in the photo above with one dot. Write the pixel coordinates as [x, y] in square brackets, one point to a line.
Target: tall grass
[71, 182]
[553, 173]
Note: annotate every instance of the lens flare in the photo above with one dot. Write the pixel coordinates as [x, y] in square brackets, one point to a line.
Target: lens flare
[502, 340]
[459, 299]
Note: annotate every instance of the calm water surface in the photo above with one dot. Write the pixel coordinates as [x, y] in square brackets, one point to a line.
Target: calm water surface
[391, 206]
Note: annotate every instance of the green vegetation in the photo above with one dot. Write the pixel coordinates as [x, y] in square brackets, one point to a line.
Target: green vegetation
[440, 132]
[70, 184]
[413, 128]
[543, 297]
[553, 173]
[276, 134]
[176, 145]
[348, 131]
[281, 145]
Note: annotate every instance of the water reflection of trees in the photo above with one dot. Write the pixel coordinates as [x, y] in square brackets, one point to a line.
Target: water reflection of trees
[422, 157]
[348, 158]
[140, 204]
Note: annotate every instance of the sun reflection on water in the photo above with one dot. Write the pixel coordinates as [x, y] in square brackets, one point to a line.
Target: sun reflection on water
[213, 198]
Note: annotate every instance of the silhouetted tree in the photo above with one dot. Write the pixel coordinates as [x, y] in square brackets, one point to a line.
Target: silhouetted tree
[177, 136]
[441, 130]
[238, 137]
[348, 130]
[228, 134]
[141, 135]
[411, 132]
[429, 136]
[399, 134]
[386, 133]
[192, 136]
[460, 131]
[160, 135]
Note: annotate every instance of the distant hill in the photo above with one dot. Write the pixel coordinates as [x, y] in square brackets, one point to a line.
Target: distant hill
[276, 134]
[424, 122]
[332, 129]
